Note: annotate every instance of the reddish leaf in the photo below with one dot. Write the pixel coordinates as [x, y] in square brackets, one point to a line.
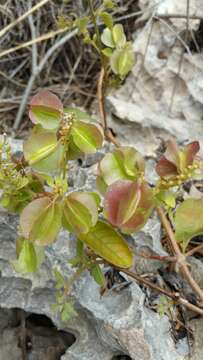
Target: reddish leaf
[128, 204]
[166, 168]
[191, 151]
[48, 102]
[172, 152]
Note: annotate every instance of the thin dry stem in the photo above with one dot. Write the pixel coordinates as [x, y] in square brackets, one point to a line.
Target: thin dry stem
[22, 17]
[175, 296]
[180, 257]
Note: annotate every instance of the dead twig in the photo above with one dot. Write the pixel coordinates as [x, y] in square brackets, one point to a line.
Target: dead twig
[22, 17]
[181, 262]
[174, 296]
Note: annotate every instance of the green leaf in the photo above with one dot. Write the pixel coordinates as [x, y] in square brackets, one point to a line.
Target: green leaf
[27, 260]
[81, 24]
[80, 212]
[108, 244]
[98, 275]
[42, 150]
[78, 114]
[123, 163]
[107, 38]
[122, 61]
[118, 34]
[109, 4]
[107, 52]
[87, 137]
[49, 118]
[168, 198]
[107, 19]
[73, 151]
[188, 221]
[40, 221]
[47, 226]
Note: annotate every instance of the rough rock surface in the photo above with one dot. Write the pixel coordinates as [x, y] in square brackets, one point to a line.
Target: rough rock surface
[143, 110]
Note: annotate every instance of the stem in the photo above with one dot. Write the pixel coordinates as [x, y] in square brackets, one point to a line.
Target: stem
[175, 296]
[194, 250]
[180, 257]
[94, 21]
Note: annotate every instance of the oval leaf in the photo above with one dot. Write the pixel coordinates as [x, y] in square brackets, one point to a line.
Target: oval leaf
[40, 221]
[124, 163]
[128, 205]
[108, 244]
[107, 38]
[42, 151]
[27, 260]
[46, 109]
[188, 221]
[87, 137]
[80, 212]
[119, 37]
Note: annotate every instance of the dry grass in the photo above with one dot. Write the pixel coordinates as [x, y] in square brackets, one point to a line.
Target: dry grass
[70, 70]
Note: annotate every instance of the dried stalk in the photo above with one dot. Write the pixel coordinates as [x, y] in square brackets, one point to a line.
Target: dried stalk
[22, 17]
[174, 296]
[181, 262]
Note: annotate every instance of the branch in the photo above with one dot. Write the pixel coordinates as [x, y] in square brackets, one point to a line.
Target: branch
[180, 257]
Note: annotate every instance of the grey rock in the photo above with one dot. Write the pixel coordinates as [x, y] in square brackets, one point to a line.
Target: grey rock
[141, 109]
[196, 326]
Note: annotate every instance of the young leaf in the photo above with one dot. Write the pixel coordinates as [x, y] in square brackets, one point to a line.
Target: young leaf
[42, 151]
[80, 212]
[128, 205]
[46, 109]
[107, 52]
[122, 61]
[124, 163]
[107, 19]
[47, 225]
[107, 38]
[27, 260]
[188, 221]
[87, 137]
[176, 161]
[98, 275]
[119, 37]
[108, 244]
[81, 24]
[40, 221]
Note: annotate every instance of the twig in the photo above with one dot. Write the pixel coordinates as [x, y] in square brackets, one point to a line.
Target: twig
[175, 296]
[100, 94]
[194, 250]
[33, 34]
[179, 16]
[158, 257]
[180, 257]
[22, 17]
[101, 99]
